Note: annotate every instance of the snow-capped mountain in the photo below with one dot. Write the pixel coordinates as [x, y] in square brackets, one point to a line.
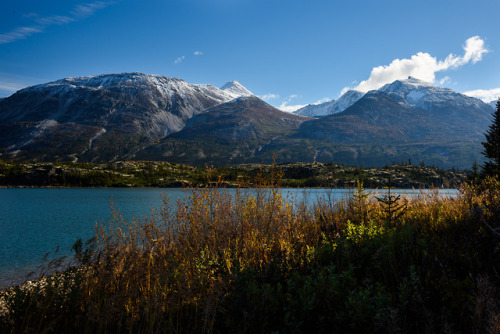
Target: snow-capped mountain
[418, 94]
[331, 107]
[235, 89]
[135, 107]
[412, 92]
[122, 91]
[407, 119]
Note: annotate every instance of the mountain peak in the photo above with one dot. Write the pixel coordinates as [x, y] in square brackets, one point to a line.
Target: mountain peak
[410, 81]
[404, 87]
[417, 82]
[413, 79]
[236, 89]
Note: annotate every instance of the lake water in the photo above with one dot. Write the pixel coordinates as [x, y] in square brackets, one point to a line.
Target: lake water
[34, 222]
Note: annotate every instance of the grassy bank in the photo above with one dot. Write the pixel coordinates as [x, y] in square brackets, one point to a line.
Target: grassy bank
[165, 174]
[260, 263]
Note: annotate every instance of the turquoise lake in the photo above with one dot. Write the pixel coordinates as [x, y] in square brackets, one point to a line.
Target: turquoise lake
[34, 222]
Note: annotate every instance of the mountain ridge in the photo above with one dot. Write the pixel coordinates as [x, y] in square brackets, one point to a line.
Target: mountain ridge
[133, 108]
[405, 91]
[129, 116]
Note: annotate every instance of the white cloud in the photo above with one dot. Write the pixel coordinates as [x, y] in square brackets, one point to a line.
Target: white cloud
[474, 50]
[343, 91]
[179, 59]
[269, 96]
[79, 12]
[88, 9]
[19, 33]
[422, 66]
[284, 106]
[444, 80]
[487, 95]
[198, 53]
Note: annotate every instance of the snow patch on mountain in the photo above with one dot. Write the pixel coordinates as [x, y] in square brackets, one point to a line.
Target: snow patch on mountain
[167, 87]
[415, 95]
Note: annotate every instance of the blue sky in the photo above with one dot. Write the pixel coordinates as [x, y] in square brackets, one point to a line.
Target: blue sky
[291, 53]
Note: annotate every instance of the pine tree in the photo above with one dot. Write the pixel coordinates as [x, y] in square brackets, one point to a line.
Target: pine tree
[361, 203]
[475, 176]
[392, 205]
[492, 145]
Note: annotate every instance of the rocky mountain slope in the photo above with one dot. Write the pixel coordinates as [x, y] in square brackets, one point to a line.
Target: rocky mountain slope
[407, 119]
[103, 117]
[230, 133]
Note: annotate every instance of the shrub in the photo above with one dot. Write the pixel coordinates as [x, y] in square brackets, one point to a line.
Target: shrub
[254, 261]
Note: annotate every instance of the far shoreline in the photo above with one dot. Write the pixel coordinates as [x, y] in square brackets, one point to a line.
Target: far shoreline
[159, 174]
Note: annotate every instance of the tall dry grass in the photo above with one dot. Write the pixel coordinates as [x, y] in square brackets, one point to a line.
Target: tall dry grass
[255, 261]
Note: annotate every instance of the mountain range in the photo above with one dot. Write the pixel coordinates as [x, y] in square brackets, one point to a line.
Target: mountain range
[135, 116]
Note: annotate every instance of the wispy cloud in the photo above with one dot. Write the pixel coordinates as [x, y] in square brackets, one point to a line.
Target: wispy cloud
[11, 83]
[423, 66]
[269, 96]
[54, 20]
[179, 59]
[285, 105]
[198, 53]
[19, 33]
[41, 23]
[88, 9]
[487, 95]
[10, 87]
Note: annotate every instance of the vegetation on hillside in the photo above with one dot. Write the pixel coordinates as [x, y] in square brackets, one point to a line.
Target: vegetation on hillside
[256, 262]
[165, 174]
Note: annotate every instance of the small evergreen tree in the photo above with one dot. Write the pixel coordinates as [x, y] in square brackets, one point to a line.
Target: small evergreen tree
[474, 176]
[361, 203]
[392, 205]
[492, 145]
